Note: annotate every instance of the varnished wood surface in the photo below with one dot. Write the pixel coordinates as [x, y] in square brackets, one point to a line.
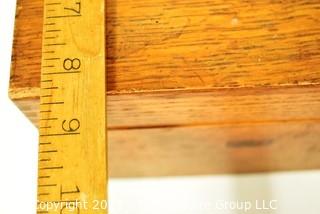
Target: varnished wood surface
[204, 107]
[195, 74]
[214, 149]
[181, 44]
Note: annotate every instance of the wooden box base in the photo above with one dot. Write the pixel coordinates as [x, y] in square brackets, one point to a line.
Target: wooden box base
[198, 87]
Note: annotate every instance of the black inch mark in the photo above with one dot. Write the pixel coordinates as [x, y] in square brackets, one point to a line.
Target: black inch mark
[55, 44]
[44, 96]
[45, 127]
[53, 3]
[47, 185]
[55, 30]
[40, 194]
[63, 72]
[59, 134]
[49, 59]
[50, 88]
[52, 23]
[76, 10]
[48, 52]
[73, 125]
[46, 119]
[45, 160]
[71, 64]
[63, 16]
[51, 37]
[49, 151]
[46, 80]
[45, 111]
[51, 168]
[52, 103]
[44, 177]
[62, 192]
[41, 144]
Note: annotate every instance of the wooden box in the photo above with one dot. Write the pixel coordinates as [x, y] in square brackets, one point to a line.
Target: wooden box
[198, 87]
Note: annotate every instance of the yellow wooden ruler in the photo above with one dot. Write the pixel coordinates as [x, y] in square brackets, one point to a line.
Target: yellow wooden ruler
[72, 175]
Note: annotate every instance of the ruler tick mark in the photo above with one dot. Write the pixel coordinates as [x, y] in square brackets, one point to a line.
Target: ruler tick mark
[59, 134]
[51, 168]
[48, 59]
[45, 111]
[45, 127]
[54, 3]
[49, 151]
[55, 30]
[41, 144]
[46, 80]
[46, 119]
[62, 16]
[44, 160]
[55, 44]
[48, 52]
[49, 88]
[47, 95]
[52, 103]
[51, 37]
[63, 72]
[47, 185]
[43, 177]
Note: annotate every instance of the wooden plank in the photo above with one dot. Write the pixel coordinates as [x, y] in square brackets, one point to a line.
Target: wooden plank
[214, 149]
[204, 107]
[181, 44]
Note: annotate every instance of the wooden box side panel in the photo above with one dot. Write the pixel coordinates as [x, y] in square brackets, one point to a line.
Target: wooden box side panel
[191, 44]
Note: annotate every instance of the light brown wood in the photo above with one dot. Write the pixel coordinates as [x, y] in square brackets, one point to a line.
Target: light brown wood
[194, 65]
[72, 156]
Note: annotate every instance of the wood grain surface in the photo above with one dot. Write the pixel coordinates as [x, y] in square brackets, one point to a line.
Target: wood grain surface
[167, 44]
[181, 72]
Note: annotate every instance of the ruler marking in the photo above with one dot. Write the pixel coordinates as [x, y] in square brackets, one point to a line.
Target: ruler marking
[45, 119]
[62, 16]
[51, 37]
[53, 30]
[62, 72]
[48, 52]
[45, 143]
[47, 185]
[54, 3]
[49, 151]
[45, 160]
[55, 44]
[45, 127]
[45, 111]
[49, 59]
[49, 95]
[52, 103]
[50, 88]
[46, 80]
[59, 134]
[51, 168]
[43, 177]
[48, 66]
